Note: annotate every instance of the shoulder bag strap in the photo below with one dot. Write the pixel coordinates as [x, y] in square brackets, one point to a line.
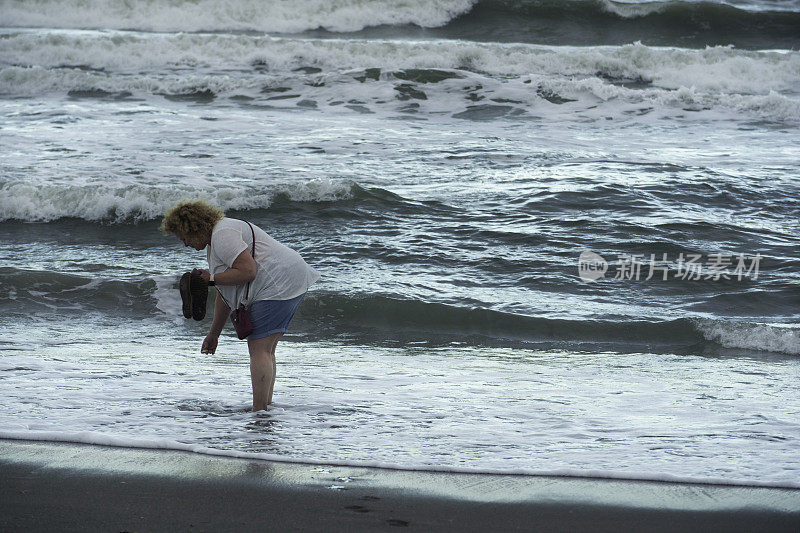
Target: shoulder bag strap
[247, 291]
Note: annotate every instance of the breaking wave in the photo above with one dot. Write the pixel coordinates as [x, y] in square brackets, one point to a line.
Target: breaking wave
[551, 21]
[20, 200]
[780, 338]
[241, 15]
[462, 78]
[118, 61]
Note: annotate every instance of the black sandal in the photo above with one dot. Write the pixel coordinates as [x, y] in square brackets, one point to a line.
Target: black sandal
[198, 287]
[186, 295]
[194, 295]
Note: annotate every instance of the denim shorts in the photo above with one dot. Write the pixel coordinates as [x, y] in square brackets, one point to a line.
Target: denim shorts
[272, 316]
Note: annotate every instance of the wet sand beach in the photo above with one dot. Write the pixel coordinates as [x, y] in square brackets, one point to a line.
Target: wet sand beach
[70, 487]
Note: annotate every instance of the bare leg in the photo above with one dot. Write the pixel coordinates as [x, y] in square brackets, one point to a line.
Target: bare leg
[274, 372]
[262, 369]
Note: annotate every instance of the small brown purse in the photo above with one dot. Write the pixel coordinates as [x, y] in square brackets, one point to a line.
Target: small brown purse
[240, 317]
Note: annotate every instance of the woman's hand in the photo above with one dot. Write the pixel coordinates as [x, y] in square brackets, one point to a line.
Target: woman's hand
[205, 274]
[210, 344]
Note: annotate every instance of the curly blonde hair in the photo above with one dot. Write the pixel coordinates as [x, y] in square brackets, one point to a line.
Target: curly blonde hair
[191, 219]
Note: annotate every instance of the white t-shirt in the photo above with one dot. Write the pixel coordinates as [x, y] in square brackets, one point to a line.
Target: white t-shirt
[282, 274]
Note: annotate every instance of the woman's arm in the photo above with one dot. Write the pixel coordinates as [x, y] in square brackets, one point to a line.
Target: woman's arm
[242, 271]
[221, 311]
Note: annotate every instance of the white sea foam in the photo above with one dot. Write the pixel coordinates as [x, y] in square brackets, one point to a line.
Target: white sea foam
[633, 9]
[642, 8]
[765, 5]
[253, 15]
[780, 338]
[720, 68]
[33, 202]
[168, 300]
[763, 84]
[773, 106]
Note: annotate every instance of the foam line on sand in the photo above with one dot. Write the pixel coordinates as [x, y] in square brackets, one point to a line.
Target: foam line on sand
[71, 487]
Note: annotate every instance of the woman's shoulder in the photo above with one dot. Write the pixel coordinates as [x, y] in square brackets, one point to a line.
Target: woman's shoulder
[225, 229]
[226, 223]
[227, 226]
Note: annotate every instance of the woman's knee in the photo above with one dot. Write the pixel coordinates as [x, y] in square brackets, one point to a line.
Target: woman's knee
[273, 342]
[264, 345]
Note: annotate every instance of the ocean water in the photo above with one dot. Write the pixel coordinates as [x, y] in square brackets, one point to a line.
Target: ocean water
[445, 166]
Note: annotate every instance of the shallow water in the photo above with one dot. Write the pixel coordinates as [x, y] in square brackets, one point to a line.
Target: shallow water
[723, 419]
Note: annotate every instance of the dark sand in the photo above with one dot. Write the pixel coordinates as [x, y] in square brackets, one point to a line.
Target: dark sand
[69, 487]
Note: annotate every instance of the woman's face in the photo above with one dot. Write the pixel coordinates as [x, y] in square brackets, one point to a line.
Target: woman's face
[193, 241]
